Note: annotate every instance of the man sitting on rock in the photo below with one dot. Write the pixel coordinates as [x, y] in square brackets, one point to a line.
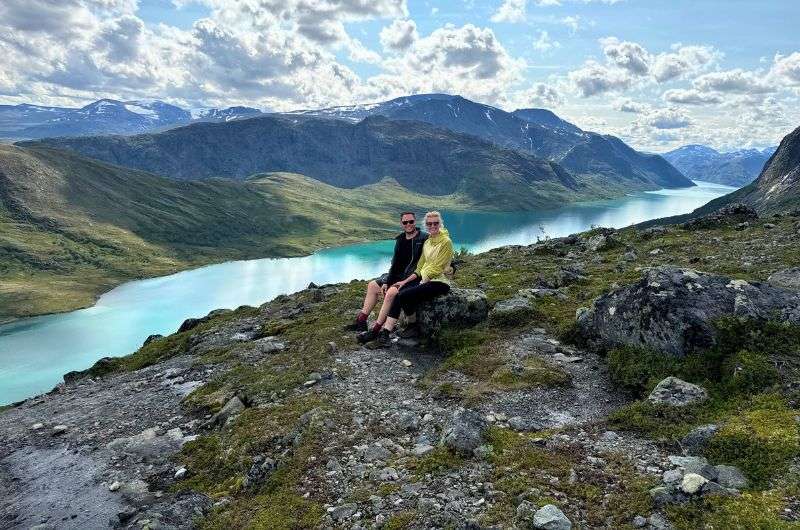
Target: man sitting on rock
[407, 250]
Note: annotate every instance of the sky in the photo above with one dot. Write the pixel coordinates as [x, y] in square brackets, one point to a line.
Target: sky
[724, 73]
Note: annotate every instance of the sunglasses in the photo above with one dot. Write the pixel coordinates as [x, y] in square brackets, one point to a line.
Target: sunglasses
[411, 222]
[431, 223]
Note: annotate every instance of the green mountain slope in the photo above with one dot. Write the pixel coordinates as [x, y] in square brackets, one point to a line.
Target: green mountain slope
[421, 157]
[72, 228]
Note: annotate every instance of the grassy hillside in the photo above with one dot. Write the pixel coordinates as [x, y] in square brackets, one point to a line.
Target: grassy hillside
[421, 157]
[72, 228]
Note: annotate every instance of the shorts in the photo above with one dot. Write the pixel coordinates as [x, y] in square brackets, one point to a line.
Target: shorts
[382, 280]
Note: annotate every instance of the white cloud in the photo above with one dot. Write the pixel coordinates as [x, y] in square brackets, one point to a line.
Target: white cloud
[539, 95]
[736, 81]
[510, 11]
[691, 96]
[573, 22]
[628, 105]
[594, 78]
[544, 43]
[682, 62]
[400, 35]
[787, 68]
[666, 119]
[629, 56]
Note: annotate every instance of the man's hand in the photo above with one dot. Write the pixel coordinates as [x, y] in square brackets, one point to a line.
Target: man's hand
[398, 285]
[383, 288]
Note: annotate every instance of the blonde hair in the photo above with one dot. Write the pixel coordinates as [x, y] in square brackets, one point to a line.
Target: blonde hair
[435, 213]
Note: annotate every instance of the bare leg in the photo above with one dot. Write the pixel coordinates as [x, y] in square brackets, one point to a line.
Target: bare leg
[390, 323]
[391, 292]
[373, 290]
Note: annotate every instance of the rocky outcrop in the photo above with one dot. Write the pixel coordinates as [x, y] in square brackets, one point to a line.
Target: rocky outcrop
[460, 307]
[465, 433]
[677, 393]
[786, 279]
[730, 215]
[673, 310]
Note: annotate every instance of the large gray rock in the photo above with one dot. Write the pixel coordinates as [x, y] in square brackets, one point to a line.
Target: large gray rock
[459, 307]
[697, 439]
[232, 408]
[513, 310]
[786, 279]
[466, 432]
[676, 392]
[549, 517]
[672, 310]
[731, 477]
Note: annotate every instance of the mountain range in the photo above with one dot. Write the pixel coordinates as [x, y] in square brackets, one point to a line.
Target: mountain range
[420, 157]
[735, 168]
[536, 131]
[777, 188]
[105, 116]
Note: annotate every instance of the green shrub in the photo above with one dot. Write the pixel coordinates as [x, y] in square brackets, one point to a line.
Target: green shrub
[747, 373]
[761, 441]
[639, 369]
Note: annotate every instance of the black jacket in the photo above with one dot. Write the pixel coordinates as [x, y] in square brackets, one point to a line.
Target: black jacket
[401, 271]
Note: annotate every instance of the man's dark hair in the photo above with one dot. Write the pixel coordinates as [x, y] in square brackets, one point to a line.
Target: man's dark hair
[408, 213]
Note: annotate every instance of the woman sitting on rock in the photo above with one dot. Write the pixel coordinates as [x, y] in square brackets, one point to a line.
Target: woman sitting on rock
[429, 280]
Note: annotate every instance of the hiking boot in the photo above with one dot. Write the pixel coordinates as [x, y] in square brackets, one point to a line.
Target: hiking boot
[411, 331]
[358, 325]
[367, 336]
[383, 338]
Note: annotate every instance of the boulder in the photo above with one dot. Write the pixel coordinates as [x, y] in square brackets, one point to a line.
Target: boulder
[731, 477]
[459, 307]
[732, 214]
[676, 392]
[549, 517]
[672, 310]
[788, 279]
[692, 483]
[149, 445]
[512, 311]
[694, 442]
[100, 368]
[466, 432]
[232, 408]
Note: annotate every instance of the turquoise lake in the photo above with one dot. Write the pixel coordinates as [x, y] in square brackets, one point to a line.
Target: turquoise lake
[36, 352]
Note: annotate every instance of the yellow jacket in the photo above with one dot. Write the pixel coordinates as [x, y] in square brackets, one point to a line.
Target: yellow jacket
[437, 253]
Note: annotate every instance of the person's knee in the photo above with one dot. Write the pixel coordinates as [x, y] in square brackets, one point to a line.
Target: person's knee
[373, 287]
[391, 292]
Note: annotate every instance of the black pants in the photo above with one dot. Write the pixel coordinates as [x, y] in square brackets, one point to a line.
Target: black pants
[413, 294]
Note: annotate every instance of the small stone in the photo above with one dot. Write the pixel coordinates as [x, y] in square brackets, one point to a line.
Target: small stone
[406, 363]
[639, 521]
[672, 476]
[526, 511]
[731, 477]
[37, 426]
[692, 483]
[549, 517]
[115, 486]
[658, 522]
[518, 423]
[694, 442]
[310, 383]
[676, 392]
[59, 429]
[660, 496]
[609, 436]
[466, 432]
[179, 474]
[344, 511]
[655, 252]
[422, 449]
